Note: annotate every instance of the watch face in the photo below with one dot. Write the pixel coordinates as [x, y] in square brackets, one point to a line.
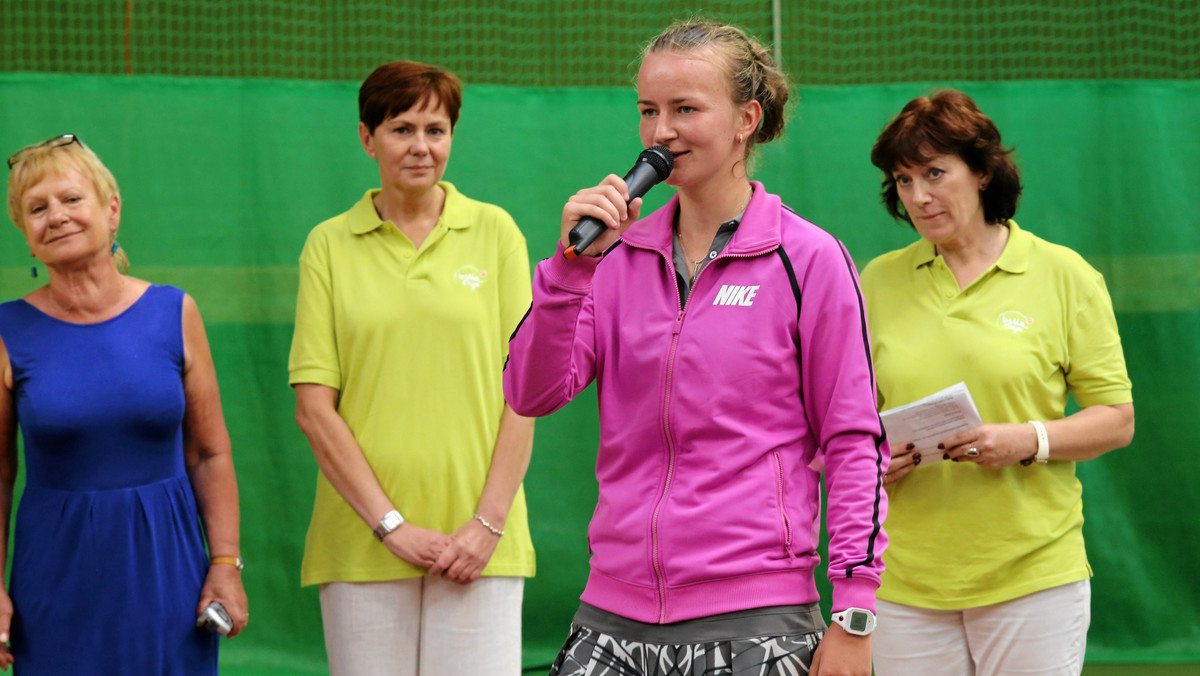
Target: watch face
[858, 621]
[390, 521]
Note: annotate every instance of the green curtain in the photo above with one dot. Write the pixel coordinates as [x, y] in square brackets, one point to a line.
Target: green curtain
[222, 180]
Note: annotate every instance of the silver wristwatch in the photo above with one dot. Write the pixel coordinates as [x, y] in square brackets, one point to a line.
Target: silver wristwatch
[390, 522]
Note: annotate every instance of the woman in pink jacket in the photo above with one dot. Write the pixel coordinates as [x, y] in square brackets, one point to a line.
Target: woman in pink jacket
[728, 341]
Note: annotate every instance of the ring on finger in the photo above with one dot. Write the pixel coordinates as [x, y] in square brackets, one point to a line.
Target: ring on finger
[972, 452]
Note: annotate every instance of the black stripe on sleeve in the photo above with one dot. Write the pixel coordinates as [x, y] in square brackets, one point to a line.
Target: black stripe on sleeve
[791, 273]
[877, 525]
[514, 335]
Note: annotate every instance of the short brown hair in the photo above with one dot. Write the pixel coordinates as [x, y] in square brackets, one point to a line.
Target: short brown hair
[948, 123]
[396, 87]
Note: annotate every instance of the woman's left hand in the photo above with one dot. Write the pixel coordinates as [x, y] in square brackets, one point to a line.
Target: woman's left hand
[6, 613]
[470, 549]
[994, 445]
[842, 654]
[224, 584]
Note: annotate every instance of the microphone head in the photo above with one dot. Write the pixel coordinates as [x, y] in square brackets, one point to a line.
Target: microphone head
[660, 158]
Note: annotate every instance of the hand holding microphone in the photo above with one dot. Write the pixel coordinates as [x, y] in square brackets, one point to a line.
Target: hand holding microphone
[588, 213]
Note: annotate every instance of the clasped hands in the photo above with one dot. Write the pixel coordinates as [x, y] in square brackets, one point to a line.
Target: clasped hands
[458, 557]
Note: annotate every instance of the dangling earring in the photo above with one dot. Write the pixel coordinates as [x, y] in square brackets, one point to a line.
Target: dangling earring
[33, 268]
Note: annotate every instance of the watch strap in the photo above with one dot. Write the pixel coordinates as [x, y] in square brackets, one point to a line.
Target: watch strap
[390, 522]
[856, 621]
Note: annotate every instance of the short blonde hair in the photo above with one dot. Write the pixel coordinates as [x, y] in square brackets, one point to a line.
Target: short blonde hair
[34, 163]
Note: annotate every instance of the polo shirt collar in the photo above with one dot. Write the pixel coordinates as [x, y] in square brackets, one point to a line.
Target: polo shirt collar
[363, 217]
[1014, 258]
[923, 253]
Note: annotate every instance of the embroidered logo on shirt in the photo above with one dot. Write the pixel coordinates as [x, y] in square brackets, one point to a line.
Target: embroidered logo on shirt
[470, 276]
[732, 294]
[1014, 321]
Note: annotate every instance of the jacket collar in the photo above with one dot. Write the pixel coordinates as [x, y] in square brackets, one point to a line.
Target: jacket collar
[363, 217]
[1014, 259]
[758, 232]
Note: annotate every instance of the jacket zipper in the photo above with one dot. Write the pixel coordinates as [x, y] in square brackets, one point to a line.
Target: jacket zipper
[656, 551]
[787, 522]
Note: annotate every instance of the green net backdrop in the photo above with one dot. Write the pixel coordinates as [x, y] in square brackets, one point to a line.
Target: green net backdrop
[219, 194]
[536, 43]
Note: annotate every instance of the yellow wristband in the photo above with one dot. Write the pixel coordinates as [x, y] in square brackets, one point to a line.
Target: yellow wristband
[235, 561]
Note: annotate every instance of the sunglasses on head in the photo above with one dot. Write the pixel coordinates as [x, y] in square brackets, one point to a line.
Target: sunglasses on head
[56, 142]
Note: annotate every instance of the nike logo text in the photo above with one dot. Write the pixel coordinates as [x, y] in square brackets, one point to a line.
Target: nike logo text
[732, 294]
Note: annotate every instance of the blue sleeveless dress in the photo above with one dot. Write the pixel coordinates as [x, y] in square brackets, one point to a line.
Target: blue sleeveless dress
[109, 556]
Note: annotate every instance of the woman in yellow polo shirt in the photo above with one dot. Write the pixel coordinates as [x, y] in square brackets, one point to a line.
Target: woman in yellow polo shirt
[986, 569]
[419, 538]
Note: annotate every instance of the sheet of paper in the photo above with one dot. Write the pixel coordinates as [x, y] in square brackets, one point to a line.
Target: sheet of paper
[927, 421]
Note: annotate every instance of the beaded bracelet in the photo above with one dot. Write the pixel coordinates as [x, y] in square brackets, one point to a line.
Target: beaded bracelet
[495, 531]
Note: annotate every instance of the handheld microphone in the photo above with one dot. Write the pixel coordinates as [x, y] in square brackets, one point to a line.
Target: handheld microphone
[652, 166]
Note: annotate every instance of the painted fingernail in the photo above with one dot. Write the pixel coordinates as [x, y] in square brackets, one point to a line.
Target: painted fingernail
[945, 456]
[916, 459]
[940, 447]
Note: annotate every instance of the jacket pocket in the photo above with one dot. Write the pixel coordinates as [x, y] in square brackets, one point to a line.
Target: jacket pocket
[785, 521]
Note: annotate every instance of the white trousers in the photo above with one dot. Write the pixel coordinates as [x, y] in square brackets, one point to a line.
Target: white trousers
[423, 626]
[1044, 633]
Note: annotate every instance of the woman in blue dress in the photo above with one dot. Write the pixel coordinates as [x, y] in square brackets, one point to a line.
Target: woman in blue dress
[130, 483]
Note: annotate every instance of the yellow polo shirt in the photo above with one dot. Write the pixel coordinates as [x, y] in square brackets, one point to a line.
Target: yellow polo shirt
[415, 340]
[1036, 326]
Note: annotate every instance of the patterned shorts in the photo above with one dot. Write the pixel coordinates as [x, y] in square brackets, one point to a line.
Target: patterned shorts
[590, 652]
